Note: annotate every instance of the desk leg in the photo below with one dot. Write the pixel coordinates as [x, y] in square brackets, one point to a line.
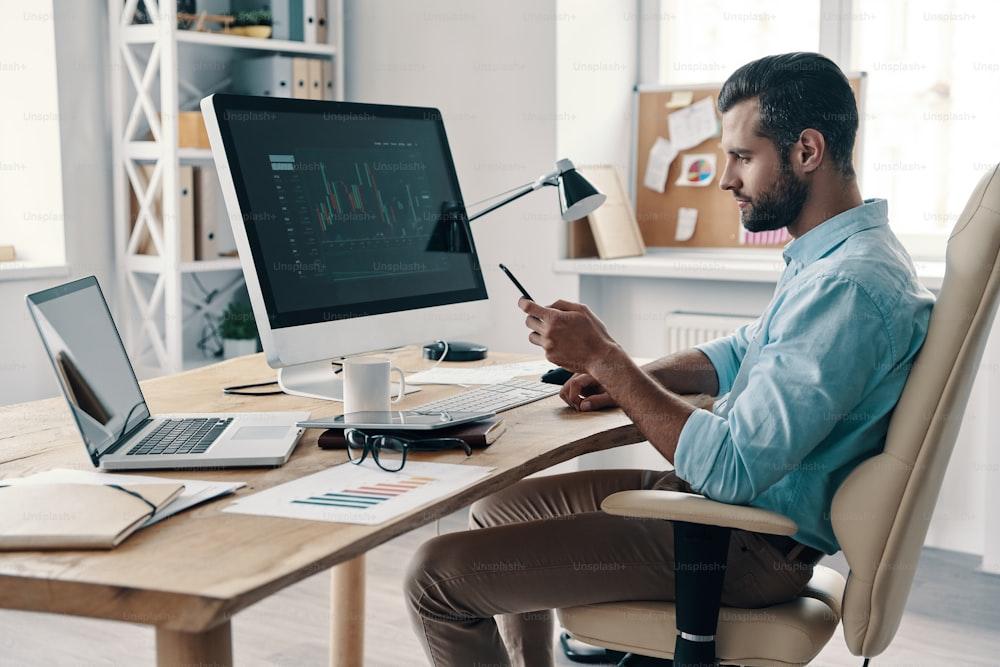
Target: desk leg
[347, 613]
[213, 647]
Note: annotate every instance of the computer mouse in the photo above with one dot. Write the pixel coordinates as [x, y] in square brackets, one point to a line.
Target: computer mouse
[557, 376]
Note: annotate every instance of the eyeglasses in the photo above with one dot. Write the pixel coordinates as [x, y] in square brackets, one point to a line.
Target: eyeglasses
[389, 451]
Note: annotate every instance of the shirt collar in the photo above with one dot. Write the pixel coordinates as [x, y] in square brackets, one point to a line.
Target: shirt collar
[822, 238]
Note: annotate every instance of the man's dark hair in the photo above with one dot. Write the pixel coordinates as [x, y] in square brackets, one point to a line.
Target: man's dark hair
[796, 91]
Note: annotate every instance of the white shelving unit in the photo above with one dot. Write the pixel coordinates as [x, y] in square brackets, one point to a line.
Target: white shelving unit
[152, 65]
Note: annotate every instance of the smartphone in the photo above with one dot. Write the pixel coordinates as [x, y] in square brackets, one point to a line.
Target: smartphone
[518, 285]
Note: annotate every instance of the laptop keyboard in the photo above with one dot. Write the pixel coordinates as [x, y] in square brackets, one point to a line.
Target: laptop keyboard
[494, 397]
[181, 436]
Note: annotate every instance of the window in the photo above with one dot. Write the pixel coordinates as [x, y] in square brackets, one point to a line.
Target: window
[932, 92]
[930, 116]
[705, 41]
[31, 206]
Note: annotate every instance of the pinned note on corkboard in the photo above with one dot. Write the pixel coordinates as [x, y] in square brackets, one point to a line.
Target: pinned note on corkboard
[692, 179]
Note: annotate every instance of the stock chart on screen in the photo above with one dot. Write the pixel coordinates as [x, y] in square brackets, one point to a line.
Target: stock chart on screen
[354, 218]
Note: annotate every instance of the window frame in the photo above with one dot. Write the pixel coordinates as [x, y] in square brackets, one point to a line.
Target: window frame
[835, 42]
[51, 260]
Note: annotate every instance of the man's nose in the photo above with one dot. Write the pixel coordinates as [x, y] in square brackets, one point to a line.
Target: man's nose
[729, 181]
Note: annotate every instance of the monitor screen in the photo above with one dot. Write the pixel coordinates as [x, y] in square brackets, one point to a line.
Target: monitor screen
[350, 210]
[90, 362]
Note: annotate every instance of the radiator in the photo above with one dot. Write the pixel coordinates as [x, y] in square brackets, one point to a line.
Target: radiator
[685, 330]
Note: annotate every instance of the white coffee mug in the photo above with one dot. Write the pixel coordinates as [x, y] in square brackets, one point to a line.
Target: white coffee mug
[366, 384]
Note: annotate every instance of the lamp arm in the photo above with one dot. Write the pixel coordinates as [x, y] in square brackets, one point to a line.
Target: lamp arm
[547, 179]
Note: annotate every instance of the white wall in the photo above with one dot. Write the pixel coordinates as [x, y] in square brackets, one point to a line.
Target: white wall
[489, 68]
[82, 113]
[596, 71]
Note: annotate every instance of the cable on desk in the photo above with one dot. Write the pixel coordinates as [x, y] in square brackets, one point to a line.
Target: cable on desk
[237, 390]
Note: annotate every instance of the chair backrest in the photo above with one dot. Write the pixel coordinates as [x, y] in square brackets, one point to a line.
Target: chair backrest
[881, 512]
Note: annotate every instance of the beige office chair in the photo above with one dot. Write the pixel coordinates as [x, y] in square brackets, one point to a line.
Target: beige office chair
[880, 514]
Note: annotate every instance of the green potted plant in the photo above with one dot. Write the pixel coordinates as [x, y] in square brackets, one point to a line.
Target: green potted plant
[238, 330]
[253, 23]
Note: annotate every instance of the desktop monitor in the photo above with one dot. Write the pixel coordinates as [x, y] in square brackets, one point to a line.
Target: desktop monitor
[350, 226]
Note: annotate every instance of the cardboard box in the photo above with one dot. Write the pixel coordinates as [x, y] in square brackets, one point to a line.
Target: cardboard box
[191, 132]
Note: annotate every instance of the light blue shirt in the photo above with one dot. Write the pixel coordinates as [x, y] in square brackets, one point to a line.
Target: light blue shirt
[806, 390]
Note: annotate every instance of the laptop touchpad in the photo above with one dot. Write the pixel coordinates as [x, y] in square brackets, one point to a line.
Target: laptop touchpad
[260, 433]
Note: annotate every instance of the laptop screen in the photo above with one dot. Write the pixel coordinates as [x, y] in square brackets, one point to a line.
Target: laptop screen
[90, 362]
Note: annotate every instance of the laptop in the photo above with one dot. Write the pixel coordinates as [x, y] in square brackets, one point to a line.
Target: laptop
[119, 432]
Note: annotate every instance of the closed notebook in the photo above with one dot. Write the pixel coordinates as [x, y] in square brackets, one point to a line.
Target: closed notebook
[478, 434]
[77, 516]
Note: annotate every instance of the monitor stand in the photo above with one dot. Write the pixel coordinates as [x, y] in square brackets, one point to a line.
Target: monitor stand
[317, 379]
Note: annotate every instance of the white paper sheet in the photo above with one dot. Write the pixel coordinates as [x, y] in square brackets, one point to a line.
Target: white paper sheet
[362, 494]
[687, 218]
[691, 125]
[697, 170]
[660, 156]
[195, 490]
[479, 374]
[680, 98]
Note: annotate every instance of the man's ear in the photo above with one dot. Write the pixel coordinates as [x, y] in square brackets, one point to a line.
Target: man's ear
[812, 147]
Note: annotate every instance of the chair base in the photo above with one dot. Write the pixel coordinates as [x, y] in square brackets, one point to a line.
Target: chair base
[587, 654]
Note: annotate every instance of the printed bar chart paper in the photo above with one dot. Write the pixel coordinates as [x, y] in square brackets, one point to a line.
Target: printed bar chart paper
[363, 494]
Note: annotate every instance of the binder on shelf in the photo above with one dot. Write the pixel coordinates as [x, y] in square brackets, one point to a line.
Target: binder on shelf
[327, 72]
[322, 24]
[315, 23]
[269, 75]
[300, 78]
[213, 237]
[315, 79]
[296, 21]
[185, 213]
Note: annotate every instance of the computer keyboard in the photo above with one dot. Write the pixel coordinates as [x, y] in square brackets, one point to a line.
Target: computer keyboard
[493, 397]
[181, 436]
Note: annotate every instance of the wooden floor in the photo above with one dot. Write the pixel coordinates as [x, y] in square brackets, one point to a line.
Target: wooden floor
[953, 618]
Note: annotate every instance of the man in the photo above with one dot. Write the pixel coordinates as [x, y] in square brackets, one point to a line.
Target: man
[806, 394]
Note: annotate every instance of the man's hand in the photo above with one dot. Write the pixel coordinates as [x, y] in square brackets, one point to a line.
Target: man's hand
[585, 393]
[571, 335]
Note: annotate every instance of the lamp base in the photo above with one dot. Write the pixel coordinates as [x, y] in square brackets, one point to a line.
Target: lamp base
[458, 350]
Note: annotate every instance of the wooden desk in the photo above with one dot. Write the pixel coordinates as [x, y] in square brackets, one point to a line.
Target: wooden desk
[188, 575]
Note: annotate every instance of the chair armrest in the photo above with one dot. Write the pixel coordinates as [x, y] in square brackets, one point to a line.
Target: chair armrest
[693, 508]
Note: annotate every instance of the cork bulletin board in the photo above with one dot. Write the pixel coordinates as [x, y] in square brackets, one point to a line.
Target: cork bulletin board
[718, 224]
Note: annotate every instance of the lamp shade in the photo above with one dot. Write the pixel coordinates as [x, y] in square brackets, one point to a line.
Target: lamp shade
[579, 197]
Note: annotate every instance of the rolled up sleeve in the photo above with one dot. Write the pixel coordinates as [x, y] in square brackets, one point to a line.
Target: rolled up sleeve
[726, 355]
[825, 347]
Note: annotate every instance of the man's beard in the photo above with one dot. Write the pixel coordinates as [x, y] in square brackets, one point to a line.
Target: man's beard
[778, 208]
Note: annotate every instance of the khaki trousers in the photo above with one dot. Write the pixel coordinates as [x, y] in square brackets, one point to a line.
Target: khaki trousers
[544, 543]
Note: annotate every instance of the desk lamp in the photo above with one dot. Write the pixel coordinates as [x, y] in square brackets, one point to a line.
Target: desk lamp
[577, 199]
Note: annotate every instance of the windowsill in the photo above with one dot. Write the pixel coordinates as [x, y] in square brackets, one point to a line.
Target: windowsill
[735, 265]
[19, 270]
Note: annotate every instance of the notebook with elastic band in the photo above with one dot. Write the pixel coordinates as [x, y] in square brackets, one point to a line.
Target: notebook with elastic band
[77, 516]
